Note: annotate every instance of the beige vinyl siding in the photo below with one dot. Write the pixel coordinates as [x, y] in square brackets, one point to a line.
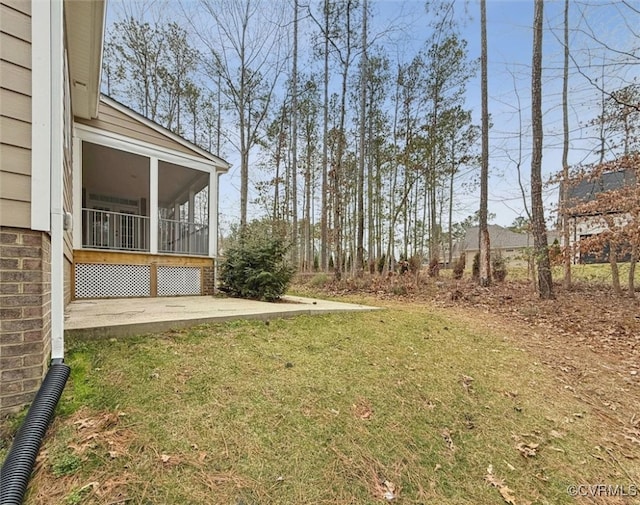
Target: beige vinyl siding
[12, 19]
[112, 120]
[23, 6]
[15, 186]
[15, 159]
[15, 50]
[15, 105]
[15, 197]
[15, 132]
[15, 214]
[15, 78]
[15, 113]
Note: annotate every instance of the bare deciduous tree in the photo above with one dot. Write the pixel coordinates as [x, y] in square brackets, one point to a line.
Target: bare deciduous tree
[484, 246]
[539, 230]
[243, 43]
[568, 253]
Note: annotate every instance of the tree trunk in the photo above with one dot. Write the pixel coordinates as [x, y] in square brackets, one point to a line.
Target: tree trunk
[615, 273]
[324, 225]
[340, 200]
[434, 230]
[372, 236]
[219, 113]
[308, 229]
[359, 266]
[450, 223]
[632, 270]
[294, 142]
[484, 242]
[541, 250]
[568, 254]
[244, 178]
[276, 180]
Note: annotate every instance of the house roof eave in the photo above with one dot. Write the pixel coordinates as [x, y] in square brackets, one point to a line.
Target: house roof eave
[221, 165]
[85, 23]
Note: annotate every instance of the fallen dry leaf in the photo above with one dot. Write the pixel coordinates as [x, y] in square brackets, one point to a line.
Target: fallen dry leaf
[507, 495]
[389, 489]
[505, 492]
[466, 383]
[366, 414]
[363, 409]
[527, 450]
[446, 435]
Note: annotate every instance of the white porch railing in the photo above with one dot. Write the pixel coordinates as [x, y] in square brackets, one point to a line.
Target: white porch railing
[128, 232]
[115, 230]
[183, 237]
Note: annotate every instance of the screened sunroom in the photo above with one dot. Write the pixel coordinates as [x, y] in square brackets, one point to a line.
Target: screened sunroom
[146, 202]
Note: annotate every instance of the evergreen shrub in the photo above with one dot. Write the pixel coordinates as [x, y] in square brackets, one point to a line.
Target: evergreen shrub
[256, 269]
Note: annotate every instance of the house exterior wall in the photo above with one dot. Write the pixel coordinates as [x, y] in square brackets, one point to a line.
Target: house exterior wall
[15, 113]
[25, 253]
[582, 226]
[114, 121]
[25, 315]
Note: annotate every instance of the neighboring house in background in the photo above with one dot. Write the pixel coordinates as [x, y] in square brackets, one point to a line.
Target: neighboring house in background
[95, 200]
[583, 225]
[511, 245]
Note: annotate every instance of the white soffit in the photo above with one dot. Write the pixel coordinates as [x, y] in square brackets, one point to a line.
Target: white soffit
[84, 23]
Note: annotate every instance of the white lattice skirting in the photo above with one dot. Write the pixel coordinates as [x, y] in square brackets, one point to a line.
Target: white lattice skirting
[112, 281]
[125, 281]
[173, 281]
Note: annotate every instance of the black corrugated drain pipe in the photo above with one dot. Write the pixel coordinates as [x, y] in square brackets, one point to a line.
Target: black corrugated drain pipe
[17, 467]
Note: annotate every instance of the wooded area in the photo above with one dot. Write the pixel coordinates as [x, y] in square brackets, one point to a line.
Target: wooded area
[354, 150]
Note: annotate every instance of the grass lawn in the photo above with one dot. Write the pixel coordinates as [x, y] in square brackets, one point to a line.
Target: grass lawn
[598, 273]
[410, 403]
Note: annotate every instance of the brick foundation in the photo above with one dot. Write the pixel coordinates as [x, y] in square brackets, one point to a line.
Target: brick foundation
[25, 315]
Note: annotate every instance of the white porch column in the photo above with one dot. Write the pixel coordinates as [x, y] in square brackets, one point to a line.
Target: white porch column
[191, 219]
[153, 205]
[176, 226]
[213, 215]
[78, 224]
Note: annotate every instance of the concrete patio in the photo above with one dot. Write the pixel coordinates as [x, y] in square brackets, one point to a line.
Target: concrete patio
[134, 316]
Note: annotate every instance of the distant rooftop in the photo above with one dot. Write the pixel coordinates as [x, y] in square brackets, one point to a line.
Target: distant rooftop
[586, 190]
[501, 238]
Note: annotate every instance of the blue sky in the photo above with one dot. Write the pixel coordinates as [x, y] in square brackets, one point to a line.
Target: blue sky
[509, 47]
